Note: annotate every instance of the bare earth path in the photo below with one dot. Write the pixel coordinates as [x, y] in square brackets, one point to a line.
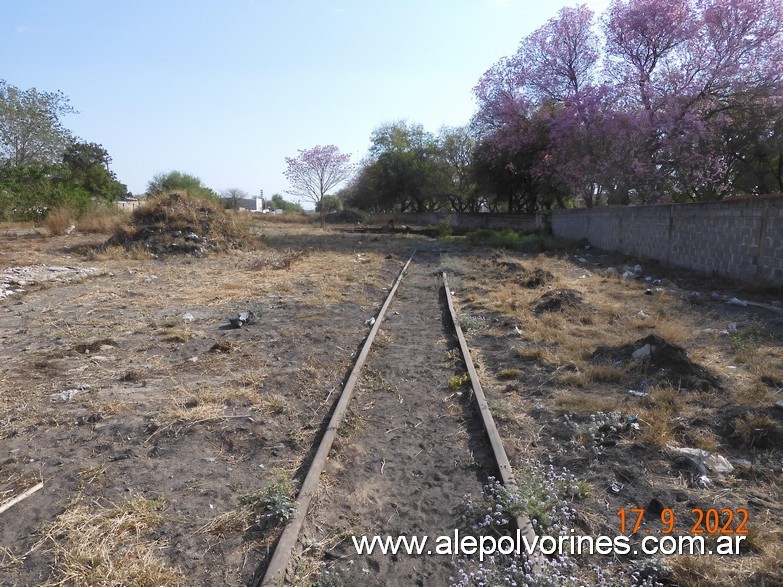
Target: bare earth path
[409, 450]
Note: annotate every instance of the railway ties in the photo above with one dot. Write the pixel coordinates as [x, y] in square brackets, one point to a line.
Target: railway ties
[405, 445]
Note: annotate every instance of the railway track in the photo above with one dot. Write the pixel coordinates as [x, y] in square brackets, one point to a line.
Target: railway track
[405, 443]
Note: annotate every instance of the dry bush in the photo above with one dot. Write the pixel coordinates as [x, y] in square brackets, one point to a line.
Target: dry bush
[101, 219]
[58, 221]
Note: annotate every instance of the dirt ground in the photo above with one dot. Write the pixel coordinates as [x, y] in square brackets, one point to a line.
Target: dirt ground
[157, 429]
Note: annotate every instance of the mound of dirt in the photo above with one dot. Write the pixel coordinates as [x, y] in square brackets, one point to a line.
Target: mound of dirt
[660, 362]
[510, 266]
[177, 223]
[536, 279]
[559, 300]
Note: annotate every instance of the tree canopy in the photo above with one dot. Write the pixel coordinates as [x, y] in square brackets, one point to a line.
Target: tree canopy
[680, 101]
[178, 180]
[31, 129]
[42, 165]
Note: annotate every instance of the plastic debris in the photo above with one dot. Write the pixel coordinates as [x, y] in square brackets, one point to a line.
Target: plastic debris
[703, 462]
[187, 317]
[738, 302]
[369, 322]
[242, 319]
[637, 393]
[637, 268]
[641, 315]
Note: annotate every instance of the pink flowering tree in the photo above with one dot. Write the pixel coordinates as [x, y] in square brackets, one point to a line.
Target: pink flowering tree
[314, 172]
[677, 100]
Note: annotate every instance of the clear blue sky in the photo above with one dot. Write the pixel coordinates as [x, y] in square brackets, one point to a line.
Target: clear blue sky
[226, 89]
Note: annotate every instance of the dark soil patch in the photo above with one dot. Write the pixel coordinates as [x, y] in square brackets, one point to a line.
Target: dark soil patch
[222, 346]
[665, 363]
[559, 300]
[511, 266]
[178, 223]
[536, 279]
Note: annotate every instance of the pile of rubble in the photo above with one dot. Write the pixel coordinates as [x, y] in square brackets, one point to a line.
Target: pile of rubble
[177, 223]
[15, 280]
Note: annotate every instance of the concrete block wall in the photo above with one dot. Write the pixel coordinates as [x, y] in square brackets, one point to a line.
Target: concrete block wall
[740, 238]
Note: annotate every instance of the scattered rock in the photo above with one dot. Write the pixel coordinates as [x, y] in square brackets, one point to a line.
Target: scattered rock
[68, 394]
[187, 317]
[14, 279]
[643, 352]
[737, 302]
[648, 292]
[641, 315]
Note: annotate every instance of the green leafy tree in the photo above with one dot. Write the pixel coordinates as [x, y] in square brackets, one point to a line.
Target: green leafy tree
[177, 180]
[30, 193]
[31, 130]
[405, 171]
[277, 202]
[88, 164]
[330, 204]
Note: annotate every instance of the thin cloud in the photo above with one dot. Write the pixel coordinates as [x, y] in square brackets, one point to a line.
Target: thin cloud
[22, 29]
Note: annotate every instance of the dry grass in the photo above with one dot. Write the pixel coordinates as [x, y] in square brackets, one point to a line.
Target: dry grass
[101, 220]
[58, 221]
[108, 546]
[755, 429]
[283, 218]
[583, 403]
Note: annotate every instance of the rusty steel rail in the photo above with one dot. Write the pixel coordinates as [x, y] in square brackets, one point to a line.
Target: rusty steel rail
[276, 569]
[278, 564]
[501, 458]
